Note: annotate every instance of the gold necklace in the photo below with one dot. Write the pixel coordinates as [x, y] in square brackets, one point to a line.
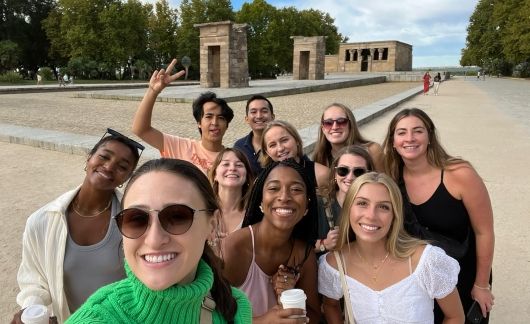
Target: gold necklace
[93, 215]
[376, 267]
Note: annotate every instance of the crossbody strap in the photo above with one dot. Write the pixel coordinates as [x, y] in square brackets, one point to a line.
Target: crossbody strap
[207, 307]
[349, 312]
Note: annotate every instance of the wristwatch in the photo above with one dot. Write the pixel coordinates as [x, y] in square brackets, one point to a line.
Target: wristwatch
[322, 246]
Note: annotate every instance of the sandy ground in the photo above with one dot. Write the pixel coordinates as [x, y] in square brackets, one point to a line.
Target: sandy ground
[469, 123]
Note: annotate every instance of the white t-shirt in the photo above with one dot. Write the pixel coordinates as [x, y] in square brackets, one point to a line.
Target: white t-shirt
[410, 300]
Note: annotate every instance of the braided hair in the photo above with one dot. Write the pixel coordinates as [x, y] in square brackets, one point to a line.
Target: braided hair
[306, 229]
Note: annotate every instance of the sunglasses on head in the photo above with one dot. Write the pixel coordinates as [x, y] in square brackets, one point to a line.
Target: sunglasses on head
[341, 122]
[174, 219]
[344, 171]
[126, 139]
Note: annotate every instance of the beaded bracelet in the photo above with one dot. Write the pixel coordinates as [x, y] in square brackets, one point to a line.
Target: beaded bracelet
[483, 288]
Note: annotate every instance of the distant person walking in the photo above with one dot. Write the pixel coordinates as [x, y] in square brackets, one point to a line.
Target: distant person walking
[426, 83]
[437, 81]
[61, 80]
[39, 79]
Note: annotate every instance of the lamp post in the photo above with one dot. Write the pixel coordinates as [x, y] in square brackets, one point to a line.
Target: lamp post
[186, 62]
[129, 66]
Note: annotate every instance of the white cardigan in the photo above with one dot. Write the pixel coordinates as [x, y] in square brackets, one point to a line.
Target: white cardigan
[40, 276]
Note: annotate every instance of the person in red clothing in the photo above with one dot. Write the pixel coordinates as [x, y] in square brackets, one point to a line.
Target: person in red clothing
[426, 83]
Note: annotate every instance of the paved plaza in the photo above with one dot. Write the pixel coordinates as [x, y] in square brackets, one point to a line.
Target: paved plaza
[486, 122]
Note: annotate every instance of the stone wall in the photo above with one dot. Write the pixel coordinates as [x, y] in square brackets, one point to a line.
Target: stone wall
[223, 55]
[380, 56]
[309, 57]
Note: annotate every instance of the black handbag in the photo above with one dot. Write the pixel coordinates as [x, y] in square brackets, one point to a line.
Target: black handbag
[451, 246]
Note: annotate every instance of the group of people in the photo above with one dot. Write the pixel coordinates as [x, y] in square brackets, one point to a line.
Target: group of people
[427, 83]
[210, 234]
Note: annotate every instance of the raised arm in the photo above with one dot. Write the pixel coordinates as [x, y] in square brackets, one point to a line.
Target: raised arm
[142, 119]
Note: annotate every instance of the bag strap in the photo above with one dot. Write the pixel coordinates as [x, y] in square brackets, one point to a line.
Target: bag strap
[349, 312]
[207, 307]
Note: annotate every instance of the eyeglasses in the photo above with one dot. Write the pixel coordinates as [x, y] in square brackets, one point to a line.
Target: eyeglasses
[175, 219]
[344, 171]
[341, 122]
[126, 139]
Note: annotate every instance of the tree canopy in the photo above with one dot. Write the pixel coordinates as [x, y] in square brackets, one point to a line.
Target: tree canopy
[94, 38]
[498, 36]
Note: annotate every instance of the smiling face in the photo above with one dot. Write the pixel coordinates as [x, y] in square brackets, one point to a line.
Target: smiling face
[157, 258]
[411, 138]
[259, 114]
[280, 144]
[371, 213]
[110, 166]
[231, 171]
[213, 124]
[337, 133]
[350, 161]
[284, 200]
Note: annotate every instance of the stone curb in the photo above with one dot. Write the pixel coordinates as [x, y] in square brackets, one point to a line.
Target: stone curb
[81, 144]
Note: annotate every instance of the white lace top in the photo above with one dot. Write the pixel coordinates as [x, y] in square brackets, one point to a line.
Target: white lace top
[410, 300]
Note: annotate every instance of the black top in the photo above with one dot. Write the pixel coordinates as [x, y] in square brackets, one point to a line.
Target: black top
[447, 215]
[244, 144]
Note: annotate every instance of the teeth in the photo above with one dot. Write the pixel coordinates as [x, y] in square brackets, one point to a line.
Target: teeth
[369, 228]
[284, 211]
[159, 258]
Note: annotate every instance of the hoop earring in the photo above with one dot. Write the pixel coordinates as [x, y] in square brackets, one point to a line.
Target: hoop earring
[120, 186]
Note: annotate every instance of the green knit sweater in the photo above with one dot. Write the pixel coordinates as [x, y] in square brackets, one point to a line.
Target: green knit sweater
[130, 301]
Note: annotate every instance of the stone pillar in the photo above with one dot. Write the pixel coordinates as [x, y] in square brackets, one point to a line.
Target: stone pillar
[371, 60]
[309, 57]
[381, 50]
[223, 55]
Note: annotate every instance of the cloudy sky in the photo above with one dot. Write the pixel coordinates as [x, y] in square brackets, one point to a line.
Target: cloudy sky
[435, 28]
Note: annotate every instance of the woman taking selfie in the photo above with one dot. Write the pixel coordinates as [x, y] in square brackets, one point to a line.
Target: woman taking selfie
[170, 269]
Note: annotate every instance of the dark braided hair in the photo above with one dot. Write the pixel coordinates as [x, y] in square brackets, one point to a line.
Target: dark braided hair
[306, 229]
[221, 290]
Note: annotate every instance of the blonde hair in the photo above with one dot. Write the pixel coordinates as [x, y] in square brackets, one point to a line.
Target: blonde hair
[399, 243]
[265, 159]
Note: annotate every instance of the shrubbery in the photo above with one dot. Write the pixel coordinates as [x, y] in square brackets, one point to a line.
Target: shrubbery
[11, 77]
[46, 73]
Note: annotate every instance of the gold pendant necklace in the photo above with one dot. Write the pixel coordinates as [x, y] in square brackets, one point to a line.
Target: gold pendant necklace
[93, 215]
[376, 267]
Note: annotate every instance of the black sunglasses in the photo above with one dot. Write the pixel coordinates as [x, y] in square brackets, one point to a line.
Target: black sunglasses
[175, 219]
[344, 171]
[341, 122]
[126, 139]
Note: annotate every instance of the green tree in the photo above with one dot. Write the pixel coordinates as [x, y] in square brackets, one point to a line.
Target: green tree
[512, 18]
[197, 12]
[21, 22]
[259, 15]
[163, 25]
[9, 55]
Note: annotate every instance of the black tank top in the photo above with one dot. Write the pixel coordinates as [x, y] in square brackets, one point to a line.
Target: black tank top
[443, 213]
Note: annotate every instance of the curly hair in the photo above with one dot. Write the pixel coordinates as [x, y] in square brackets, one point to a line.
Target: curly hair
[306, 229]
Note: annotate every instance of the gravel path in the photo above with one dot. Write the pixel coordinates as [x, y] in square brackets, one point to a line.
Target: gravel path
[60, 111]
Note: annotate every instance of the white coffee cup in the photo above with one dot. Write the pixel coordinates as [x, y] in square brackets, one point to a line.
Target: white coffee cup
[35, 314]
[293, 298]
